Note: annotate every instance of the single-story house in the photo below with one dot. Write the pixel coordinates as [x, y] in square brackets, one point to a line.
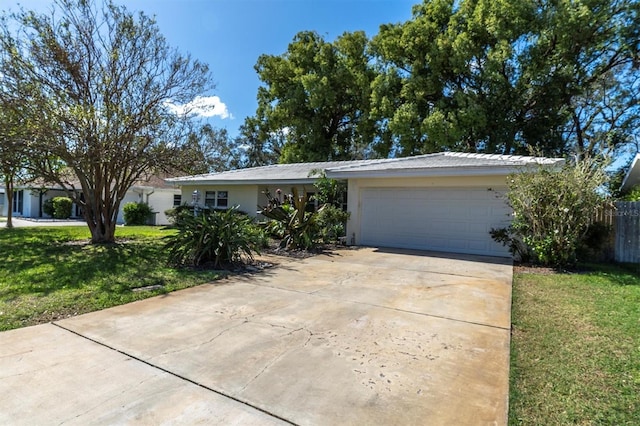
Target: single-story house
[29, 199]
[444, 202]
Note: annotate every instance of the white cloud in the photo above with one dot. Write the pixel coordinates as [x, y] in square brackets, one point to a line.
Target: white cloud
[202, 106]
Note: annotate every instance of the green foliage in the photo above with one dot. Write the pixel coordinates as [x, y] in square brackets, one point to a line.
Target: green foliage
[47, 207]
[470, 75]
[220, 238]
[553, 210]
[178, 214]
[331, 218]
[319, 92]
[330, 191]
[298, 228]
[210, 150]
[62, 207]
[137, 213]
[501, 76]
[331, 223]
[632, 195]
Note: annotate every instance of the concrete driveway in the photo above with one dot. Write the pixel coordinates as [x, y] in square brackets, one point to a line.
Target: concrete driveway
[361, 336]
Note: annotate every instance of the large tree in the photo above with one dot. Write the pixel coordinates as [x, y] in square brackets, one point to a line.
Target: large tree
[503, 76]
[210, 150]
[316, 96]
[108, 90]
[14, 139]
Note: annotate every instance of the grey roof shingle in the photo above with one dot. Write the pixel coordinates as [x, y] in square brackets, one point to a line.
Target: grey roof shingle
[298, 172]
[447, 160]
[276, 172]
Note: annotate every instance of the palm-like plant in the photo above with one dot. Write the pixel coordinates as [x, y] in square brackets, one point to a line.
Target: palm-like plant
[218, 237]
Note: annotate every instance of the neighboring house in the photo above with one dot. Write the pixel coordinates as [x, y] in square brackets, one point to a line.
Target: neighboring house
[29, 199]
[444, 202]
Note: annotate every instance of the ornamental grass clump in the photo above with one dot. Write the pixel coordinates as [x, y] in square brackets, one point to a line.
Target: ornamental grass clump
[215, 238]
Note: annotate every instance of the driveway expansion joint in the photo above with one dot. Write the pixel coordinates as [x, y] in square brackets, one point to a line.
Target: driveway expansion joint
[314, 294]
[186, 379]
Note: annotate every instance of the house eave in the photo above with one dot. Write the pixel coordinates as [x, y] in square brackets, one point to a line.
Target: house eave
[213, 182]
[427, 172]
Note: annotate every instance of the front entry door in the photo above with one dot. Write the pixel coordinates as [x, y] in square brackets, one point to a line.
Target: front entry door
[18, 202]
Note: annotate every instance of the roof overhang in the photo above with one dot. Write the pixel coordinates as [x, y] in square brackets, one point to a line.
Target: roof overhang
[427, 172]
[633, 175]
[213, 182]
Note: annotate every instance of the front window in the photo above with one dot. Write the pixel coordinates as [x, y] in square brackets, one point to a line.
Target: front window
[223, 199]
[177, 200]
[216, 199]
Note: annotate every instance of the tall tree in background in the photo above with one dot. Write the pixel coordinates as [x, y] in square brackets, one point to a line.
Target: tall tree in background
[262, 146]
[501, 76]
[14, 139]
[107, 88]
[316, 96]
[211, 150]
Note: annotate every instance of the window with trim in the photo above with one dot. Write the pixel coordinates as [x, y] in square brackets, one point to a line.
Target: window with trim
[216, 199]
[177, 200]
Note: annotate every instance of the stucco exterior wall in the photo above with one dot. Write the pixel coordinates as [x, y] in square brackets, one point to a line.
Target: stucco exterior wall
[243, 196]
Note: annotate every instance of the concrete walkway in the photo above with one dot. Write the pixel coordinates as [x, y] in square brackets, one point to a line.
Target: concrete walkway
[28, 223]
[359, 337]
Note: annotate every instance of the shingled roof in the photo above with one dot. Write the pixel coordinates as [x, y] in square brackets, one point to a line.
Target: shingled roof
[444, 163]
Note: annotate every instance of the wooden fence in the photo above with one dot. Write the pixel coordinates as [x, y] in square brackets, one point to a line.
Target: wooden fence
[626, 217]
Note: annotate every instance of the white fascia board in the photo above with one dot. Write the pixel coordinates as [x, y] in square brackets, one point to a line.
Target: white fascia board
[634, 171]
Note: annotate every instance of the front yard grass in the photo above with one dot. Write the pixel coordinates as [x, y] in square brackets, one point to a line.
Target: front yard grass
[575, 349]
[52, 273]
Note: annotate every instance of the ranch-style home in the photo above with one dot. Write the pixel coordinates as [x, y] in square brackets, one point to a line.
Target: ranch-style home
[29, 199]
[444, 202]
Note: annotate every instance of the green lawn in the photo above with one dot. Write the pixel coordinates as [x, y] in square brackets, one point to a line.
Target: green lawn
[52, 273]
[575, 350]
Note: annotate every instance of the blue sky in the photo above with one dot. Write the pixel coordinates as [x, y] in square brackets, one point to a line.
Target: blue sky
[229, 35]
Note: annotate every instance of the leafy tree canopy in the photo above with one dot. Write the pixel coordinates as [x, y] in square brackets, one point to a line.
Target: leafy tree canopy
[557, 77]
[502, 76]
[315, 99]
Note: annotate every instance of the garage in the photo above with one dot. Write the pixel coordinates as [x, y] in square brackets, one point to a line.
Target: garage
[442, 219]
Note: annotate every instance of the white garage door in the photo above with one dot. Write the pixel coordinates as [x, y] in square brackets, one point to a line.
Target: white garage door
[441, 219]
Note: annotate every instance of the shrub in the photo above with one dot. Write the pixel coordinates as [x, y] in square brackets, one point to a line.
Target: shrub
[633, 194]
[47, 207]
[62, 207]
[177, 214]
[331, 223]
[136, 213]
[217, 237]
[298, 227]
[553, 210]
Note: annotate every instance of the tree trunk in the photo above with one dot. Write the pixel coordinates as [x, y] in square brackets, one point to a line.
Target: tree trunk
[102, 231]
[8, 184]
[102, 223]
